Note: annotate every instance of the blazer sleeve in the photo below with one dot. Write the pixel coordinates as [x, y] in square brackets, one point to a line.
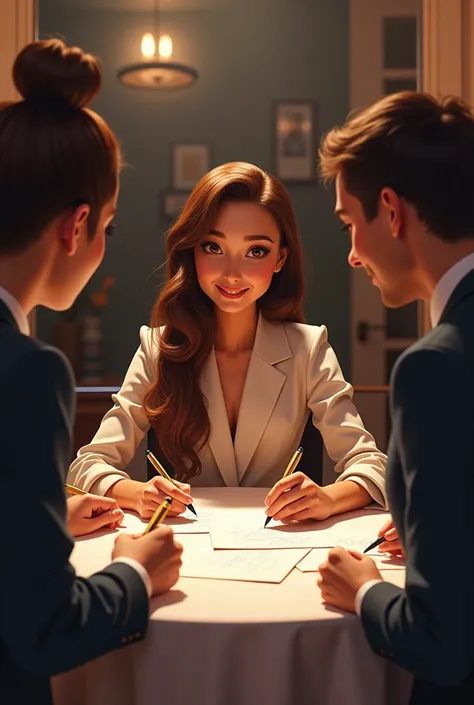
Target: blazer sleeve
[427, 628]
[347, 441]
[103, 461]
[50, 620]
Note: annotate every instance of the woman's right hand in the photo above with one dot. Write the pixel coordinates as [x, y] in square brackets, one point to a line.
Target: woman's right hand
[154, 492]
[392, 543]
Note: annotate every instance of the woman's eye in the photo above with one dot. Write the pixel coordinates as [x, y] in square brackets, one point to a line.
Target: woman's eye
[110, 229]
[212, 248]
[346, 227]
[258, 252]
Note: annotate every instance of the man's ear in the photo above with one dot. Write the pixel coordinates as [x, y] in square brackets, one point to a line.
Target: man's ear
[391, 206]
[73, 226]
[283, 254]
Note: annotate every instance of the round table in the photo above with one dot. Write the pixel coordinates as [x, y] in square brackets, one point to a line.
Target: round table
[222, 642]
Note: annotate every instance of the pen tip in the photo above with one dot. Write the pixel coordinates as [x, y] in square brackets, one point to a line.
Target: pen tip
[267, 521]
[191, 509]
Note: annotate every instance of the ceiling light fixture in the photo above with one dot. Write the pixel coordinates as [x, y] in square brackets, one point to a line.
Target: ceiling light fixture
[161, 72]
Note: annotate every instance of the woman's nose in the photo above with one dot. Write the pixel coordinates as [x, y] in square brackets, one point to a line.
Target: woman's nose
[232, 272]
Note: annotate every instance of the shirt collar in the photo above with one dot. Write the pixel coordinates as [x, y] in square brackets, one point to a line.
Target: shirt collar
[16, 310]
[446, 285]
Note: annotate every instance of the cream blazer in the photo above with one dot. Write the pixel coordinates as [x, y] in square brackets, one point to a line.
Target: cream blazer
[293, 372]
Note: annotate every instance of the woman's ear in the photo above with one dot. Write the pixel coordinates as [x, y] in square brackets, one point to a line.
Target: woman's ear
[73, 226]
[283, 254]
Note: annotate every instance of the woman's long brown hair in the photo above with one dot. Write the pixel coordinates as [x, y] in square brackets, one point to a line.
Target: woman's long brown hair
[175, 404]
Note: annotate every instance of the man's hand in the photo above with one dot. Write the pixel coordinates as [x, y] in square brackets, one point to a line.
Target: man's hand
[392, 543]
[154, 492]
[88, 512]
[157, 552]
[296, 497]
[341, 576]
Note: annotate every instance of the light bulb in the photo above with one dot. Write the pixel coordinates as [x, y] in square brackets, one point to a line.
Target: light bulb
[165, 46]
[148, 45]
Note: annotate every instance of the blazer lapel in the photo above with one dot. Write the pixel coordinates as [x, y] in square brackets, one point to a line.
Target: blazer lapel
[220, 440]
[261, 391]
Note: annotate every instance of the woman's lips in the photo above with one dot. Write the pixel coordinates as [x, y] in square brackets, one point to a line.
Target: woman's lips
[230, 293]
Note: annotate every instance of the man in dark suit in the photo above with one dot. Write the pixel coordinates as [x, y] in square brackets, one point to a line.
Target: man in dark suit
[404, 174]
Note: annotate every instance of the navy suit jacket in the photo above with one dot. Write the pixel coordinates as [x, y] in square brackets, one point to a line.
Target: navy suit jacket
[50, 620]
[428, 628]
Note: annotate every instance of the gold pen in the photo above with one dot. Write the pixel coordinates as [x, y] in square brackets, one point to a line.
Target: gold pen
[74, 490]
[290, 468]
[159, 515]
[161, 471]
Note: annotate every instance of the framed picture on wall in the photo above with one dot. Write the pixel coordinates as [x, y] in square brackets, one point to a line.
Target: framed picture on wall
[172, 203]
[190, 163]
[295, 153]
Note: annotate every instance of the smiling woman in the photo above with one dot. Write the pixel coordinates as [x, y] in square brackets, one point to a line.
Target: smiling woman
[228, 374]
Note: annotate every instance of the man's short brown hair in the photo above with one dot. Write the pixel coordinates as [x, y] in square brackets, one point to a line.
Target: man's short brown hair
[420, 147]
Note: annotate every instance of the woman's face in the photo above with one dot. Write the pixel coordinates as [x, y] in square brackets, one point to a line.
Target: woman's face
[236, 260]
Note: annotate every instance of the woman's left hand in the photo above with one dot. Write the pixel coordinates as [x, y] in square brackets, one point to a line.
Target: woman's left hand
[296, 498]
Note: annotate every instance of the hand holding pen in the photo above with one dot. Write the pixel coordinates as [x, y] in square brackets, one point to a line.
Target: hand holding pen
[274, 494]
[178, 491]
[387, 541]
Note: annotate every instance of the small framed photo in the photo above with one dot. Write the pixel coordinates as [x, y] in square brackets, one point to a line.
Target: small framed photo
[190, 163]
[172, 203]
[295, 140]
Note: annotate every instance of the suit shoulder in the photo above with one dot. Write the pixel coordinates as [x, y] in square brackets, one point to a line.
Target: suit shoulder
[302, 336]
[149, 338]
[427, 358]
[20, 352]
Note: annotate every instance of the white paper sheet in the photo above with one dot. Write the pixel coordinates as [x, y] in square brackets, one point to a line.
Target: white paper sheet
[187, 523]
[311, 562]
[201, 561]
[354, 530]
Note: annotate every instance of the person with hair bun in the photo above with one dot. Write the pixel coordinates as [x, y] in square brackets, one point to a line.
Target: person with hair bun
[228, 374]
[59, 179]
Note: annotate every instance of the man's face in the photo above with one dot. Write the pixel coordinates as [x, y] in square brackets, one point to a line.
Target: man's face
[376, 246]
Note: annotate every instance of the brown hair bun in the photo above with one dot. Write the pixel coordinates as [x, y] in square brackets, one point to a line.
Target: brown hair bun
[51, 72]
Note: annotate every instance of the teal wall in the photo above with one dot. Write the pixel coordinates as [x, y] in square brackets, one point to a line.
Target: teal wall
[248, 56]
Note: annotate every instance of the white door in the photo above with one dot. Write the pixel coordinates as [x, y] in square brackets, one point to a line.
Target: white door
[383, 59]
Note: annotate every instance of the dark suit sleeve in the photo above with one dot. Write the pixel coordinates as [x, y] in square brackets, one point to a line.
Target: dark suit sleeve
[50, 620]
[427, 628]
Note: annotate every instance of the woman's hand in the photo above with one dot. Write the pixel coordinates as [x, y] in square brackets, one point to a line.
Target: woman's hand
[154, 492]
[296, 498]
[392, 543]
[89, 512]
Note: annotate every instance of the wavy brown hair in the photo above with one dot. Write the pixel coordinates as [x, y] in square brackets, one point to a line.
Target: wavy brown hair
[175, 404]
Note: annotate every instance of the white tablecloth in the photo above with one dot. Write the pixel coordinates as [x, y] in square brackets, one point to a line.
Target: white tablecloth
[219, 642]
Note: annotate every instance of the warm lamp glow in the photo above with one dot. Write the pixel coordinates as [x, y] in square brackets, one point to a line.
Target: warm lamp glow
[165, 46]
[148, 45]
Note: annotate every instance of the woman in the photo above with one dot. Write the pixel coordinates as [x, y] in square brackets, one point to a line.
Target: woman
[228, 372]
[59, 172]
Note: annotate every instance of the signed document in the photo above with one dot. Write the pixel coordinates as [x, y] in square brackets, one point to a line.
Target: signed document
[244, 530]
[201, 561]
[383, 561]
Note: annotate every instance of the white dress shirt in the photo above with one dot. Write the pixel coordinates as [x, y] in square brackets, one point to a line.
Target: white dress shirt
[441, 295]
[16, 310]
[22, 322]
[446, 285]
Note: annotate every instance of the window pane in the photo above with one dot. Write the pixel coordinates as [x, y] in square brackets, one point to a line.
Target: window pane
[399, 42]
[394, 85]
